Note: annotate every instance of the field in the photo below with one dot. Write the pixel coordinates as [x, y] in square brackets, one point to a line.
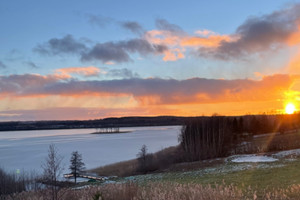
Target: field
[263, 180]
[261, 176]
[281, 175]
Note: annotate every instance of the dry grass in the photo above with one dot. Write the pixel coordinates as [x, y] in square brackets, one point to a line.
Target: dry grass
[162, 191]
[121, 169]
[159, 162]
[272, 142]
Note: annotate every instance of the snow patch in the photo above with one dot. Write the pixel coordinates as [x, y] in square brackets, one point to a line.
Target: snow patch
[282, 154]
[253, 158]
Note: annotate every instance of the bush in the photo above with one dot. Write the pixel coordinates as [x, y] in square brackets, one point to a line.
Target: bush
[14, 183]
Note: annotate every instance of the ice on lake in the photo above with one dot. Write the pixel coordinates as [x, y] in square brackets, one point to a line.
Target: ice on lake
[27, 150]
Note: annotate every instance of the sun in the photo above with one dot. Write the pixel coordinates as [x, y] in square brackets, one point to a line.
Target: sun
[290, 108]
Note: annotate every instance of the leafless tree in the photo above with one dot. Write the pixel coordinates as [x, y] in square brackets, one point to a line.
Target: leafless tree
[52, 171]
[144, 159]
[207, 138]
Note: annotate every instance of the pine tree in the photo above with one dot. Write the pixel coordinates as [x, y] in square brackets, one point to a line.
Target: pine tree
[76, 165]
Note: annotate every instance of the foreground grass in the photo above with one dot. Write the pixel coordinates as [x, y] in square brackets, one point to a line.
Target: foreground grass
[161, 191]
[260, 177]
[227, 180]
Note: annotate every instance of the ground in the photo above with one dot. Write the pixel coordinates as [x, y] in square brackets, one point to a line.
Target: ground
[272, 171]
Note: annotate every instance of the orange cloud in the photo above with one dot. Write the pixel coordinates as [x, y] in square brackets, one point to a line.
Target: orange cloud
[195, 96]
[162, 37]
[168, 91]
[177, 42]
[84, 71]
[293, 66]
[173, 54]
[210, 41]
[294, 38]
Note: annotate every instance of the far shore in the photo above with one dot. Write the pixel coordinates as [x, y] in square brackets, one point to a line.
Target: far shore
[134, 121]
[113, 132]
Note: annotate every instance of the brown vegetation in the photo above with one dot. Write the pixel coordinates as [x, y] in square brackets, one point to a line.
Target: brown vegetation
[207, 138]
[12, 182]
[121, 169]
[269, 143]
[162, 191]
[156, 162]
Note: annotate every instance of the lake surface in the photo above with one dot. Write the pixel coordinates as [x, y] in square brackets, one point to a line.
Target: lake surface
[27, 150]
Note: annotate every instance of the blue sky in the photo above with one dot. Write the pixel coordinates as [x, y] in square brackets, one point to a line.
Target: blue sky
[28, 23]
[96, 41]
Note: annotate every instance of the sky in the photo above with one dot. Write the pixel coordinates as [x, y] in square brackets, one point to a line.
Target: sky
[65, 60]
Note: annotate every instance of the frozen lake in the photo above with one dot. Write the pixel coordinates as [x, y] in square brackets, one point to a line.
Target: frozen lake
[27, 150]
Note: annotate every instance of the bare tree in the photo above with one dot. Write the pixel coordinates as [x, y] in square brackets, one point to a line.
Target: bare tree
[52, 171]
[76, 165]
[145, 159]
[207, 138]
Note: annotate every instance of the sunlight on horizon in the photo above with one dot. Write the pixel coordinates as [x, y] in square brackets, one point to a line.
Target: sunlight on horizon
[290, 108]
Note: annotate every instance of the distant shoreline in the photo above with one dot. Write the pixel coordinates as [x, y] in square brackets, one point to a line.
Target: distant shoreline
[113, 122]
[97, 123]
[107, 133]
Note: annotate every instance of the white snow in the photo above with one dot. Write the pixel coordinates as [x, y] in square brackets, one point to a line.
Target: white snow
[253, 158]
[281, 154]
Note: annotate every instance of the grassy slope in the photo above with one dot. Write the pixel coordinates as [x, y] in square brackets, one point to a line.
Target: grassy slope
[260, 177]
[274, 176]
[277, 177]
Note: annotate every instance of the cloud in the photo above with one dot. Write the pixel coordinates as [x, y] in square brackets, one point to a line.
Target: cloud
[163, 24]
[178, 42]
[32, 96]
[31, 64]
[84, 71]
[65, 45]
[205, 41]
[122, 73]
[100, 20]
[53, 114]
[109, 63]
[15, 55]
[119, 51]
[106, 52]
[169, 40]
[22, 85]
[259, 34]
[2, 65]
[152, 91]
[134, 27]
[75, 113]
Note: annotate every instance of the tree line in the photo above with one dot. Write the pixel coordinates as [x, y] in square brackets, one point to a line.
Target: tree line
[218, 136]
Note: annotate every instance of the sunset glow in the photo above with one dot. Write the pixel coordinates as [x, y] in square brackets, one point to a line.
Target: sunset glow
[122, 63]
[290, 108]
